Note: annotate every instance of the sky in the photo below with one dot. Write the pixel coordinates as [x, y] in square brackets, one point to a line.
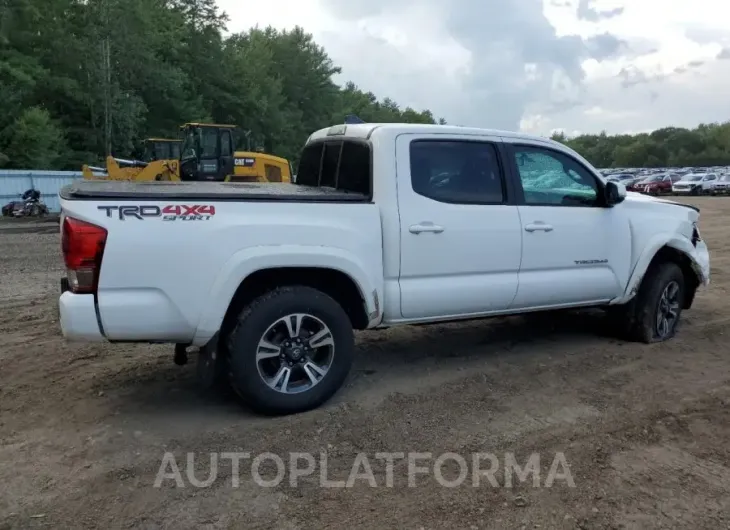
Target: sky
[578, 66]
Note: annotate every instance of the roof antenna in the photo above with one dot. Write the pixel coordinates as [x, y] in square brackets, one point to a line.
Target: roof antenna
[351, 119]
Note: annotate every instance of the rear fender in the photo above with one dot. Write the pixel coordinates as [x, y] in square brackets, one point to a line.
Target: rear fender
[247, 261]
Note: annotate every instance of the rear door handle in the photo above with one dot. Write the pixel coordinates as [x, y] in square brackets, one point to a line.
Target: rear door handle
[425, 227]
[538, 225]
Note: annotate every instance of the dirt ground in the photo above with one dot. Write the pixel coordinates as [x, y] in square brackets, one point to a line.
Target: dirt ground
[645, 430]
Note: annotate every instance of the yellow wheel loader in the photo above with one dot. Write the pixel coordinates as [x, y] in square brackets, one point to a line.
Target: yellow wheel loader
[208, 154]
[161, 149]
[161, 162]
[120, 169]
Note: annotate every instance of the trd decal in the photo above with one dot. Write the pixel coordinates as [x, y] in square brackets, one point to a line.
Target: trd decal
[590, 261]
[171, 212]
[184, 212]
[136, 212]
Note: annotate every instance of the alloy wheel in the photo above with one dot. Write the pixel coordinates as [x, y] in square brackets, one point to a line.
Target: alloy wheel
[295, 353]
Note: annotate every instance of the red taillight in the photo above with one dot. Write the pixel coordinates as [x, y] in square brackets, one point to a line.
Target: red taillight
[82, 244]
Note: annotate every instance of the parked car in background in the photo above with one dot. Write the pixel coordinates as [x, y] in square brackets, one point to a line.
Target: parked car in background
[620, 177]
[722, 186]
[637, 184]
[624, 178]
[659, 184]
[695, 184]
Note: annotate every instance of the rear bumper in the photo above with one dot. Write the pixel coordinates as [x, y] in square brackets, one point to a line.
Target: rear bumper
[78, 317]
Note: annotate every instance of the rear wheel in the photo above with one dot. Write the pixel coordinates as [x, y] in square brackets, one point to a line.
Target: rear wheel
[290, 351]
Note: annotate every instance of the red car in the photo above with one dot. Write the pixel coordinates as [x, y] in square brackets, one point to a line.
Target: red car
[635, 185]
[656, 185]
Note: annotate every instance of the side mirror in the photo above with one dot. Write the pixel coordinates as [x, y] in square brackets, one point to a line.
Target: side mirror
[615, 193]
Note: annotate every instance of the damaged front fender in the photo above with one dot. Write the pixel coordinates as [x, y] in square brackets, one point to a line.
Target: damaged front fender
[696, 256]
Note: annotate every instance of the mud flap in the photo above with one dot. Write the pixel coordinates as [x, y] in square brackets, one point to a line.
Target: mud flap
[210, 367]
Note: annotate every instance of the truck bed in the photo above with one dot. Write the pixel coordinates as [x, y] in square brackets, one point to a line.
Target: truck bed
[100, 190]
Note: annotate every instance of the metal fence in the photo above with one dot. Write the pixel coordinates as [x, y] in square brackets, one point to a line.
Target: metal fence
[14, 182]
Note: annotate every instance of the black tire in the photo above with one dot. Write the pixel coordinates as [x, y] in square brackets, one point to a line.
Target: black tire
[637, 320]
[252, 324]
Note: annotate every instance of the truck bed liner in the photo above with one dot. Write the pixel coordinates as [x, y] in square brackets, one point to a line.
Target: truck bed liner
[100, 190]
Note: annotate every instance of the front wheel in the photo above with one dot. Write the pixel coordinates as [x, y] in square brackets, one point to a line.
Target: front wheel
[290, 351]
[653, 316]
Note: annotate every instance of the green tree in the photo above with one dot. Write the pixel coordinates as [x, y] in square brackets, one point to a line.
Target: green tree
[112, 72]
[707, 145]
[34, 141]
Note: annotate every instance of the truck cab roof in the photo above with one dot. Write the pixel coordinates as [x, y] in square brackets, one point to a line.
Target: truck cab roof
[367, 130]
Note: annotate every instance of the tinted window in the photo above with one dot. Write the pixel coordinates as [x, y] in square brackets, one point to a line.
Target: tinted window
[355, 168]
[456, 172]
[308, 171]
[161, 151]
[208, 142]
[226, 148]
[552, 178]
[345, 166]
[331, 158]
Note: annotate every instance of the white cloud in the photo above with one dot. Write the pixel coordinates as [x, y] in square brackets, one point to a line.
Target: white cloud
[282, 14]
[535, 64]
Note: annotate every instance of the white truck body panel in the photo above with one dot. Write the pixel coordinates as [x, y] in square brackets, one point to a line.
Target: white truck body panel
[155, 284]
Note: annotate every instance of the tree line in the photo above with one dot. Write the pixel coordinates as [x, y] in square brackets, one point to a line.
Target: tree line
[80, 79]
[706, 145]
[83, 78]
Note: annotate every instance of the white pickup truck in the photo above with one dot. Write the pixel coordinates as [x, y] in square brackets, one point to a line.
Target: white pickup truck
[387, 224]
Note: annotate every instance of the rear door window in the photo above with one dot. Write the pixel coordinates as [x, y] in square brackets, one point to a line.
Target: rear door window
[456, 171]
